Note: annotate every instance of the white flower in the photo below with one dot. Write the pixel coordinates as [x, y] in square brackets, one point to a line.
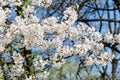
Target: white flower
[43, 74]
[18, 59]
[97, 36]
[46, 3]
[108, 38]
[58, 64]
[17, 69]
[70, 16]
[81, 49]
[89, 61]
[73, 33]
[28, 10]
[43, 3]
[15, 2]
[90, 30]
[3, 2]
[2, 16]
[30, 78]
[39, 62]
[107, 56]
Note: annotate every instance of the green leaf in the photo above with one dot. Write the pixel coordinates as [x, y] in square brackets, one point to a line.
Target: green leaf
[28, 55]
[35, 54]
[26, 72]
[1, 79]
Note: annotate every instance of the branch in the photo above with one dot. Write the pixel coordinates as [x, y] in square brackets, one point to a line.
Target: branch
[112, 46]
[102, 9]
[95, 20]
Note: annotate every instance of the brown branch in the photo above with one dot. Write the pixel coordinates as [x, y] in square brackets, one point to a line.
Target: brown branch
[115, 24]
[100, 16]
[113, 47]
[108, 15]
[95, 20]
[102, 9]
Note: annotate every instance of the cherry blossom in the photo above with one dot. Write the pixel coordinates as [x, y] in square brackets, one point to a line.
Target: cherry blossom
[32, 33]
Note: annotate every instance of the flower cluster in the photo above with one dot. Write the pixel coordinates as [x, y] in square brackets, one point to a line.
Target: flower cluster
[44, 3]
[103, 59]
[108, 38]
[2, 15]
[43, 74]
[70, 16]
[57, 60]
[40, 64]
[30, 78]
[17, 69]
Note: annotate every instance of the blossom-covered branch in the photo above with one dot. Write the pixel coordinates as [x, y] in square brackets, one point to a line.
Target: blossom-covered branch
[27, 32]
